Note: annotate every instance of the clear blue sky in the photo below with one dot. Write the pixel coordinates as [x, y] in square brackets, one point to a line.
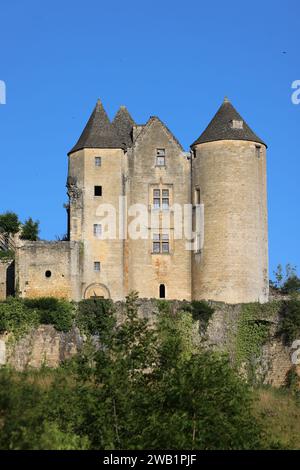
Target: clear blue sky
[174, 59]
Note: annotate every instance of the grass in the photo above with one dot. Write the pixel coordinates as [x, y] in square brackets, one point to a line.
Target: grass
[279, 413]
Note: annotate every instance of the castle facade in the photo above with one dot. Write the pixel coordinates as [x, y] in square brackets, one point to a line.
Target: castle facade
[147, 216]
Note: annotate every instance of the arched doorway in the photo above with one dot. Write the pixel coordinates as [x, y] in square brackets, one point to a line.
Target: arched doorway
[98, 291]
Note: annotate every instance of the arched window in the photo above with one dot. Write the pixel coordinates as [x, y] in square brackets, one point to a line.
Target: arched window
[162, 291]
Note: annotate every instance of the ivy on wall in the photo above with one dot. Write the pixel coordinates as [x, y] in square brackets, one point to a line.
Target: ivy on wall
[253, 331]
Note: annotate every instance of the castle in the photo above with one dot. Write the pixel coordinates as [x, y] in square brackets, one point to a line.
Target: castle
[138, 181]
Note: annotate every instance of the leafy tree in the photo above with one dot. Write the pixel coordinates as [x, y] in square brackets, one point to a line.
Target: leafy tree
[290, 320]
[287, 282]
[145, 388]
[9, 224]
[30, 230]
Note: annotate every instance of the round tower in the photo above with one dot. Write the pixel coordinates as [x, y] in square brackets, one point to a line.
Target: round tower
[229, 179]
[97, 165]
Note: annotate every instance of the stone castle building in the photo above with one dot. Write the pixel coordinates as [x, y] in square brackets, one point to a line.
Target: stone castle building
[123, 165]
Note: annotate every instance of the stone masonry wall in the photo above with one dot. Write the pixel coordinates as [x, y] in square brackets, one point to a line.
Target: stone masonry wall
[45, 345]
[48, 269]
[6, 278]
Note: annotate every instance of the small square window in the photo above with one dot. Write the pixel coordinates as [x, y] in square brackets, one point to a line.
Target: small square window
[160, 161]
[165, 193]
[97, 266]
[160, 157]
[98, 190]
[156, 192]
[98, 161]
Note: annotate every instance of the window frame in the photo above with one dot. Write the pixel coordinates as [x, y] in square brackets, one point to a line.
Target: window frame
[100, 190]
[161, 199]
[96, 264]
[160, 243]
[98, 159]
[99, 227]
[258, 151]
[160, 159]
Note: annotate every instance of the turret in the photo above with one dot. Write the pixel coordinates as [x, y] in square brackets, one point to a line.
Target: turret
[229, 179]
[95, 183]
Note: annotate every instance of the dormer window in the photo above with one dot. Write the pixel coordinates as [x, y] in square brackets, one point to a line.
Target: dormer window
[160, 157]
[235, 124]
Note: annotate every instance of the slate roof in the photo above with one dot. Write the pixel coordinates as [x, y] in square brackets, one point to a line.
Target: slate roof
[123, 124]
[99, 132]
[220, 127]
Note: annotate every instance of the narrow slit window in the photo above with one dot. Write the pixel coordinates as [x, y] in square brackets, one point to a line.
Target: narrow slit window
[98, 161]
[257, 150]
[162, 291]
[98, 190]
[197, 196]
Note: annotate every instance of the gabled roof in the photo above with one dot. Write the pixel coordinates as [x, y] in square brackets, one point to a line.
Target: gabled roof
[99, 132]
[123, 123]
[150, 121]
[221, 127]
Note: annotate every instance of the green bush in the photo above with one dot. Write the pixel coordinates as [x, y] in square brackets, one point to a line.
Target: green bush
[292, 381]
[143, 391]
[286, 281]
[95, 316]
[290, 321]
[16, 317]
[52, 311]
[201, 310]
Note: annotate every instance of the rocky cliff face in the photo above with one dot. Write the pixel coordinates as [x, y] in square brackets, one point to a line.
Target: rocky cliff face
[42, 346]
[46, 346]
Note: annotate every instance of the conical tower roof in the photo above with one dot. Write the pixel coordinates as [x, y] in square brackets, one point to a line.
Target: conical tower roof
[123, 123]
[99, 132]
[227, 124]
